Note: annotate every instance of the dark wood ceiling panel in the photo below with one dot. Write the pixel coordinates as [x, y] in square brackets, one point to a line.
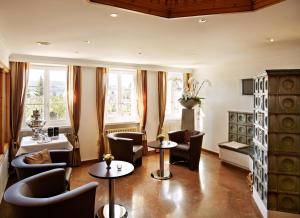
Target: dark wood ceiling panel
[186, 8]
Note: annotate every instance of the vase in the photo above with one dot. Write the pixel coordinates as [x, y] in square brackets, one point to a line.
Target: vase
[108, 162]
[161, 140]
[188, 104]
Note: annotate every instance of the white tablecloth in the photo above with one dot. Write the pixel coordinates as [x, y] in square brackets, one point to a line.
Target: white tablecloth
[28, 145]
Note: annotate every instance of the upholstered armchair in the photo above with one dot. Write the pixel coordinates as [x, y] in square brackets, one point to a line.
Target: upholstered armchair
[188, 148]
[44, 195]
[60, 159]
[127, 146]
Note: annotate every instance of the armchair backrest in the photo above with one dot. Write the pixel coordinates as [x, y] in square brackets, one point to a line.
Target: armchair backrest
[137, 137]
[43, 195]
[60, 159]
[177, 136]
[120, 147]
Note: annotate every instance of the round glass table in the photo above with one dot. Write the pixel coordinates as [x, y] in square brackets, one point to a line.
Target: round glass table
[99, 170]
[162, 174]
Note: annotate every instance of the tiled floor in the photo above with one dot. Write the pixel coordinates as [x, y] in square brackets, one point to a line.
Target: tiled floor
[217, 190]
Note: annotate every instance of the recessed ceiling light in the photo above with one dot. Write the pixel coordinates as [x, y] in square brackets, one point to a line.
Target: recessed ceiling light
[43, 43]
[272, 40]
[114, 15]
[202, 20]
[87, 41]
[140, 53]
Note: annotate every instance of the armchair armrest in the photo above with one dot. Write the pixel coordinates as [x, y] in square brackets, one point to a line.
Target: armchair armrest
[59, 156]
[196, 143]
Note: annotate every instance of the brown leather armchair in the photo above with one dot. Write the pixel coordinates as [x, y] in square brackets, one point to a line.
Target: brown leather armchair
[60, 159]
[127, 146]
[188, 148]
[44, 195]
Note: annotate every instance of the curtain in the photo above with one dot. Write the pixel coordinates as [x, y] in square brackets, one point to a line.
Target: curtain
[186, 77]
[142, 97]
[74, 106]
[162, 97]
[101, 78]
[7, 108]
[2, 110]
[142, 104]
[19, 79]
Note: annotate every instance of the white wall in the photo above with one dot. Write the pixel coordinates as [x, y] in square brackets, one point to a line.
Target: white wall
[225, 92]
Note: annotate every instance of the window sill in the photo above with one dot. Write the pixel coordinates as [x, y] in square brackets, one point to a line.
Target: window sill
[121, 123]
[45, 128]
[173, 119]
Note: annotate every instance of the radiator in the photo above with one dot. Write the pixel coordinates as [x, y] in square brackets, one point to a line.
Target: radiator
[127, 129]
[108, 131]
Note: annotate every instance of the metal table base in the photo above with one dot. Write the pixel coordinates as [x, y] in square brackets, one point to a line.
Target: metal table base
[161, 174]
[166, 174]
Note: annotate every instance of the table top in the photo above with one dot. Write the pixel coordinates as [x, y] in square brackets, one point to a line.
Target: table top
[99, 170]
[29, 145]
[165, 144]
[28, 141]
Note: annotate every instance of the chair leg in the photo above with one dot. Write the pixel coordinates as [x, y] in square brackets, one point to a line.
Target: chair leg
[194, 164]
[138, 162]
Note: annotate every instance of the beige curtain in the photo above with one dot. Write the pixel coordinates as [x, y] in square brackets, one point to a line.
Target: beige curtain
[101, 79]
[186, 77]
[7, 108]
[142, 97]
[162, 97]
[74, 106]
[142, 104]
[2, 109]
[19, 79]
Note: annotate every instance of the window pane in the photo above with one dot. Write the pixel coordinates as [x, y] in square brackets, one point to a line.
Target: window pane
[57, 94]
[126, 95]
[35, 93]
[174, 92]
[112, 96]
[121, 104]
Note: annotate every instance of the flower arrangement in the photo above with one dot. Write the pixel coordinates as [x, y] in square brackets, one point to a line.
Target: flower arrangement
[190, 95]
[108, 159]
[161, 137]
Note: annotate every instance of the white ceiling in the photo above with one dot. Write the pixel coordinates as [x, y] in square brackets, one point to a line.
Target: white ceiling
[177, 42]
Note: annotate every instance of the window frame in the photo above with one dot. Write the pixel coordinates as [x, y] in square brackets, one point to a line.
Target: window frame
[134, 107]
[46, 98]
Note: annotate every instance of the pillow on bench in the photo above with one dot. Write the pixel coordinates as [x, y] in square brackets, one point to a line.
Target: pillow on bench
[40, 157]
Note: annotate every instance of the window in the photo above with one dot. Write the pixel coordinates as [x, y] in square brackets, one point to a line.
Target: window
[47, 92]
[174, 92]
[121, 100]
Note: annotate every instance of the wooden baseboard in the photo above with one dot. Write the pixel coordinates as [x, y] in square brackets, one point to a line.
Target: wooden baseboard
[211, 152]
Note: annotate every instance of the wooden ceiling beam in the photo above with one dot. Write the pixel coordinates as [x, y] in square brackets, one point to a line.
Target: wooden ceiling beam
[186, 8]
